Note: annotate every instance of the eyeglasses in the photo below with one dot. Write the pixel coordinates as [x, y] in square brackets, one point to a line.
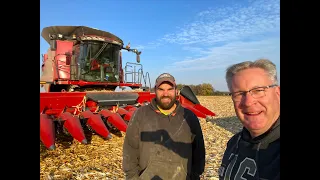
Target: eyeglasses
[257, 92]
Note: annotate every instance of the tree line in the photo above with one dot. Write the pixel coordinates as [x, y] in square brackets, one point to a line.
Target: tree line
[204, 89]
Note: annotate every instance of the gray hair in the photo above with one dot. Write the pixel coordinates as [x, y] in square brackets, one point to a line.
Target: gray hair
[264, 64]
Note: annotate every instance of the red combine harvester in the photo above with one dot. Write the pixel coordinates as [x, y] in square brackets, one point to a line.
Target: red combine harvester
[80, 73]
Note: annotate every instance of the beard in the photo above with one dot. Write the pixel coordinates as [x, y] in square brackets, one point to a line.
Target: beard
[165, 105]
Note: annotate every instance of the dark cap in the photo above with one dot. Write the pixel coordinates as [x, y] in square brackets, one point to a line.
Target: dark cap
[165, 77]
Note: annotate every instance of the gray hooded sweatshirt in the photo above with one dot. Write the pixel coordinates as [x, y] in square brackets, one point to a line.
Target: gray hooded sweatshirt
[168, 147]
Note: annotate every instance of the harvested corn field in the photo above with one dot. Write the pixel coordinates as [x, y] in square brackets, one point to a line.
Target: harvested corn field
[102, 158]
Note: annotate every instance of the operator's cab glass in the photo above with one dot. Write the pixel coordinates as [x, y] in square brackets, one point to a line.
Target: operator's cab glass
[98, 61]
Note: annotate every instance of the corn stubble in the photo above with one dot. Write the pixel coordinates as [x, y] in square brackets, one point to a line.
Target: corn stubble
[102, 158]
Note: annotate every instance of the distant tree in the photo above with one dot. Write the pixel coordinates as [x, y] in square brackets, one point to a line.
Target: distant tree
[179, 86]
[205, 89]
[220, 93]
[195, 89]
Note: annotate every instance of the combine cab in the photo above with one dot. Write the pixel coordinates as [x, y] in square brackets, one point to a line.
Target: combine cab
[80, 73]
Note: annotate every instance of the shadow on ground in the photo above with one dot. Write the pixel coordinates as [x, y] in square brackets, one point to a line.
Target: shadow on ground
[231, 124]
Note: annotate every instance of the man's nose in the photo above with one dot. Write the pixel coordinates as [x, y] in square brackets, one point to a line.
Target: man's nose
[248, 100]
[165, 92]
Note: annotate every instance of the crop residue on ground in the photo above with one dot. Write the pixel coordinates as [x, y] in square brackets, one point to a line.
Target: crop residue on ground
[102, 158]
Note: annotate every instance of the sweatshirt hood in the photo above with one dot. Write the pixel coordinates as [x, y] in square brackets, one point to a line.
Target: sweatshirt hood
[265, 139]
[260, 142]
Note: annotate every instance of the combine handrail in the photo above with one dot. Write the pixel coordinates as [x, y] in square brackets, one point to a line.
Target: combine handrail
[135, 74]
[145, 80]
[140, 72]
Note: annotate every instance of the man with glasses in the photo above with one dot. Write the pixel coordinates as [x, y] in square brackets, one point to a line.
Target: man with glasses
[254, 152]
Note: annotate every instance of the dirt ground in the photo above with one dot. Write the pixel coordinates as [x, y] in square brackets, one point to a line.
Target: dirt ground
[102, 158]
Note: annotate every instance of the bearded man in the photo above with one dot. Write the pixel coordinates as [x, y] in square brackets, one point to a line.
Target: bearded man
[163, 139]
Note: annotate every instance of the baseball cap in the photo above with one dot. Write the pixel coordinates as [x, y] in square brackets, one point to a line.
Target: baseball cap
[165, 77]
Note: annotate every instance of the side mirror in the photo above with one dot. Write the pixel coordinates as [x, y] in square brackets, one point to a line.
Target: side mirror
[138, 54]
[138, 58]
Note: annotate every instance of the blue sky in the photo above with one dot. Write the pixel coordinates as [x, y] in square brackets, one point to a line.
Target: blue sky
[193, 40]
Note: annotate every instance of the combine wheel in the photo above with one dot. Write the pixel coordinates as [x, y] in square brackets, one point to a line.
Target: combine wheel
[47, 131]
[73, 125]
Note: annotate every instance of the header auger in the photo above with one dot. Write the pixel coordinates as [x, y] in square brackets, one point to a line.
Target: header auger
[80, 74]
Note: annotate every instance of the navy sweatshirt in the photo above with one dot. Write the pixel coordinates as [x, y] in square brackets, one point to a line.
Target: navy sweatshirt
[252, 159]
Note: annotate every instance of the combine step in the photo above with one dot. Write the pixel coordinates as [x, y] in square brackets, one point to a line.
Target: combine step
[96, 123]
[47, 131]
[115, 119]
[73, 125]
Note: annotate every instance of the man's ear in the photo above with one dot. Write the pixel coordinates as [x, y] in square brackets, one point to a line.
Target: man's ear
[278, 90]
